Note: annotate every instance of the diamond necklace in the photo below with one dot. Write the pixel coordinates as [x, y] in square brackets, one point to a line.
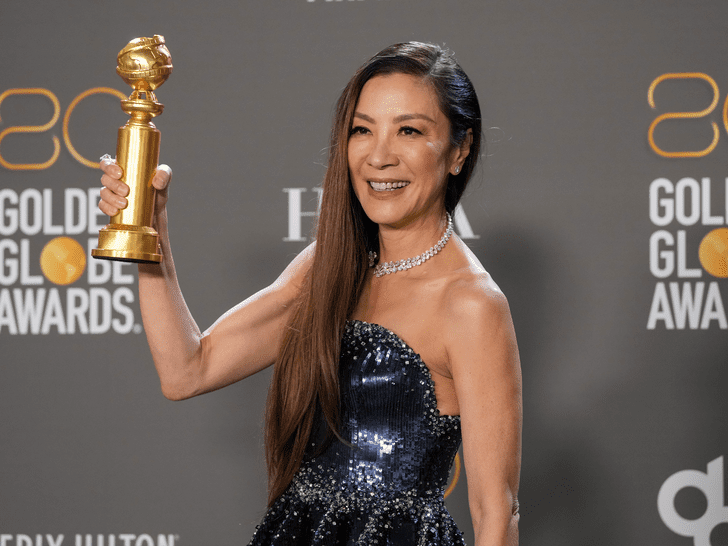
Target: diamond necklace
[402, 265]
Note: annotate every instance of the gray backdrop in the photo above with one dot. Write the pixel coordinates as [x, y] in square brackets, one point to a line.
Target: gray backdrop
[624, 361]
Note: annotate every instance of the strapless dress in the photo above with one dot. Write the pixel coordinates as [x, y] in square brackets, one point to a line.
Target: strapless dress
[386, 487]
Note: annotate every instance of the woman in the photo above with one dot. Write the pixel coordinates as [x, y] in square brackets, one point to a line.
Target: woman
[361, 429]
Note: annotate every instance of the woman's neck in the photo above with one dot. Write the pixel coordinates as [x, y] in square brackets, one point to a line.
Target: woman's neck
[411, 240]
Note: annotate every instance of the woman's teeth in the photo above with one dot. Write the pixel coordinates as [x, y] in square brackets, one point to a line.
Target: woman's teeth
[387, 186]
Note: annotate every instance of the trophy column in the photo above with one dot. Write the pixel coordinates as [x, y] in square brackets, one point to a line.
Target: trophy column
[145, 63]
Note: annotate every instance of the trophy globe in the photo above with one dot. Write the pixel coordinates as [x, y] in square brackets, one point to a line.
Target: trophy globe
[144, 64]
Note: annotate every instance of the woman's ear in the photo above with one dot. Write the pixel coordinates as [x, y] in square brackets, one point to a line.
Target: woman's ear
[462, 152]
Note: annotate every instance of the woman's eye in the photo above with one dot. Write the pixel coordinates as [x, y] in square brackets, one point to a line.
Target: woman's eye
[358, 130]
[410, 131]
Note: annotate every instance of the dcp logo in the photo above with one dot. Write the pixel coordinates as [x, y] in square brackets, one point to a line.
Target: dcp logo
[711, 485]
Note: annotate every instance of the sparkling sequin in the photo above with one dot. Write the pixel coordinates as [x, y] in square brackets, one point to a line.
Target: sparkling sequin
[387, 487]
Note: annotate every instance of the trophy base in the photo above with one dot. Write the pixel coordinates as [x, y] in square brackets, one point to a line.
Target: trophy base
[124, 243]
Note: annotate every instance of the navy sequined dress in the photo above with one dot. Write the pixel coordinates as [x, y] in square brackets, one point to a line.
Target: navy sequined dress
[388, 488]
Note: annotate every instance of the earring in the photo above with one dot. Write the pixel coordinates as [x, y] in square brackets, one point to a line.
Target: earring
[457, 170]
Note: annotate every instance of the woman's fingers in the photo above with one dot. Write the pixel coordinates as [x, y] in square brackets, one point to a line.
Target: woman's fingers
[110, 178]
[111, 203]
[115, 185]
[162, 177]
[114, 191]
[109, 166]
[161, 181]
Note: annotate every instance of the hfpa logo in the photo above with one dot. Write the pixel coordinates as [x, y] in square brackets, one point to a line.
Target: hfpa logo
[296, 214]
[711, 485]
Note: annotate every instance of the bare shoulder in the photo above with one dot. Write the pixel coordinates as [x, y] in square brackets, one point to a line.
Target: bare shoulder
[476, 313]
[294, 274]
[472, 296]
[270, 302]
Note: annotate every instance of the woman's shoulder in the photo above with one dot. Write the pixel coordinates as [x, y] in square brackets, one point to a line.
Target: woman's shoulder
[471, 297]
[293, 276]
[477, 324]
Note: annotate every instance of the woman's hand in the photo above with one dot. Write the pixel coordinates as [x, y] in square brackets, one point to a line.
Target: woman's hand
[115, 192]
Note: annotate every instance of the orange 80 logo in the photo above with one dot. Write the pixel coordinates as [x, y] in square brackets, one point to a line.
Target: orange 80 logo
[46, 126]
[686, 115]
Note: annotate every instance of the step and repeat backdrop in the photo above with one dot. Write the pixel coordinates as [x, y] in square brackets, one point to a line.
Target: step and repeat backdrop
[600, 208]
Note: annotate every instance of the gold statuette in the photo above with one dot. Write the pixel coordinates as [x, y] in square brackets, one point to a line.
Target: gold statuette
[145, 64]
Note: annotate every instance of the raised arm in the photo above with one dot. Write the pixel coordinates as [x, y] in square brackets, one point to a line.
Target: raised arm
[484, 363]
[242, 342]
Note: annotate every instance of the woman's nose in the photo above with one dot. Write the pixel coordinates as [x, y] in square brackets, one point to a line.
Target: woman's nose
[381, 153]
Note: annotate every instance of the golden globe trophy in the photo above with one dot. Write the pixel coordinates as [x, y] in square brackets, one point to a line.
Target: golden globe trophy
[145, 64]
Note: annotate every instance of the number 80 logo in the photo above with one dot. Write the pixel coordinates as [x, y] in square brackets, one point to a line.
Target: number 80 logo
[51, 123]
[686, 115]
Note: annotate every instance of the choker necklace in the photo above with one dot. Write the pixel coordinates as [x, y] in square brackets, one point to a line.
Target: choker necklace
[402, 265]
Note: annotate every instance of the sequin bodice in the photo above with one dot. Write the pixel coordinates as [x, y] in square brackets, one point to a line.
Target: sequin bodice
[387, 486]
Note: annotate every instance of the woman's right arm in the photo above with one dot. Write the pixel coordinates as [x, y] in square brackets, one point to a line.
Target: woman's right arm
[242, 342]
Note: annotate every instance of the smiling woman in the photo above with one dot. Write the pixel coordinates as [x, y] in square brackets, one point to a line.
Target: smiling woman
[400, 154]
[381, 370]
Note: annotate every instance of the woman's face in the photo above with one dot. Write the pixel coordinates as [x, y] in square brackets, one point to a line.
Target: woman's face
[399, 150]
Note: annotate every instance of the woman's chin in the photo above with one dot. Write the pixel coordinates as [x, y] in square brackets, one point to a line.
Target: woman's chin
[397, 215]
[385, 215]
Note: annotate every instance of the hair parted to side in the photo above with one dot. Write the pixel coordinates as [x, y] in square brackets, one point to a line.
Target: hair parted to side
[305, 376]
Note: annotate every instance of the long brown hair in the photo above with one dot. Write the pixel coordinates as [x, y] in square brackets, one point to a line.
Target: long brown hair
[305, 377]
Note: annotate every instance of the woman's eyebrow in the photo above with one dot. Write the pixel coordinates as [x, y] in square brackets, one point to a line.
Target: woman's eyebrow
[364, 117]
[405, 117]
[398, 119]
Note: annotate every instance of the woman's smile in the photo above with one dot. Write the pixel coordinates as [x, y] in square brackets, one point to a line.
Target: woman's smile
[387, 185]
